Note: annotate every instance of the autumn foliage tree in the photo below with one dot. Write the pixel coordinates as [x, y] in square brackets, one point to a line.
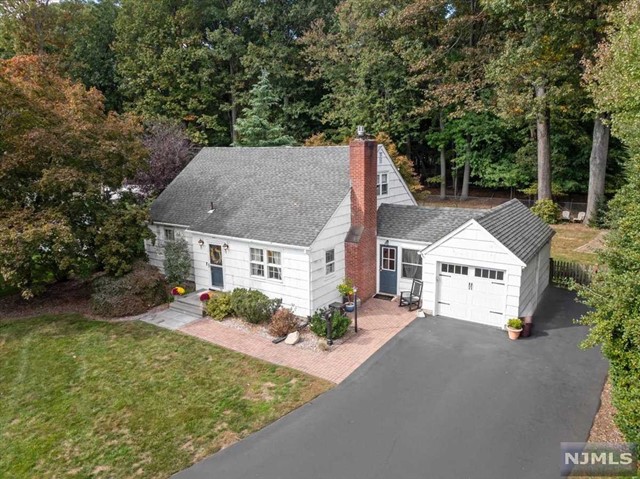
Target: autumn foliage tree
[62, 157]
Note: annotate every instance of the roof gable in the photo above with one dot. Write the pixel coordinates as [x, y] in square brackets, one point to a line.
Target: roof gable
[516, 227]
[277, 194]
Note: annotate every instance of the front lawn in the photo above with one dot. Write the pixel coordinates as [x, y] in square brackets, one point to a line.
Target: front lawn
[84, 398]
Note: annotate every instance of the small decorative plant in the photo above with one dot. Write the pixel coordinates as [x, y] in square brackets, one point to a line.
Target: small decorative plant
[206, 296]
[219, 306]
[178, 291]
[346, 289]
[514, 323]
[514, 328]
[282, 323]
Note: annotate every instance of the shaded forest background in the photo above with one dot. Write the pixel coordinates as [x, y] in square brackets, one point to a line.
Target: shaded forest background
[491, 93]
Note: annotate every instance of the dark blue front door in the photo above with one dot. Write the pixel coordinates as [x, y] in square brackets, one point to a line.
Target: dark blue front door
[388, 269]
[215, 261]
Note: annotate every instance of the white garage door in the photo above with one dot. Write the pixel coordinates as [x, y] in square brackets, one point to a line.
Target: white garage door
[472, 294]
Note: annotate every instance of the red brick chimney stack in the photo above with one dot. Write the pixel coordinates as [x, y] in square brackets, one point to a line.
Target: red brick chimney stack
[360, 244]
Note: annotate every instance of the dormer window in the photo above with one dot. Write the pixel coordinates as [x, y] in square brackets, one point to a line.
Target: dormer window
[382, 186]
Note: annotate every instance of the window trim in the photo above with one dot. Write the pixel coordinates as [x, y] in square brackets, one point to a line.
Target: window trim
[380, 191]
[403, 262]
[266, 264]
[328, 263]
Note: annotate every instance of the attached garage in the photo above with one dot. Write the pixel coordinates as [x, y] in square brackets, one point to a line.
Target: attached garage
[483, 266]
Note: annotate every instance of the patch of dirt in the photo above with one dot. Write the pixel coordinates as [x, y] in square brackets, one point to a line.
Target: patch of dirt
[71, 296]
[594, 245]
[603, 428]
[67, 297]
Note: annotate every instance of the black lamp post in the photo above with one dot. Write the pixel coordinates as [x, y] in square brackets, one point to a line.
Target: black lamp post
[355, 312]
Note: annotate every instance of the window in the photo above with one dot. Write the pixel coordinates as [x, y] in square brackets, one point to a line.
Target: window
[257, 262]
[274, 260]
[388, 258]
[169, 234]
[489, 274]
[454, 269]
[411, 264]
[330, 261]
[382, 187]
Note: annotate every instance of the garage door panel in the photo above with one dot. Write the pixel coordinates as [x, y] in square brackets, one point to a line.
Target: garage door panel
[472, 294]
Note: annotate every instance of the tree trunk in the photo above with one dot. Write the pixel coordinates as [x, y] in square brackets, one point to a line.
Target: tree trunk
[443, 166]
[544, 145]
[464, 194]
[597, 166]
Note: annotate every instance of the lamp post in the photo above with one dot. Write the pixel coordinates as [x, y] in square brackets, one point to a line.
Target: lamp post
[355, 312]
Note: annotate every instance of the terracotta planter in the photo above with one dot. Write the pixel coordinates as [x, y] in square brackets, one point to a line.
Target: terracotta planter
[514, 333]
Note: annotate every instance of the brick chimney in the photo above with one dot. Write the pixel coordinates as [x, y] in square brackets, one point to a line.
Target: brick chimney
[360, 244]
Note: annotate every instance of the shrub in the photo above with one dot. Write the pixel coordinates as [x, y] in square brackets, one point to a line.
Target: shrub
[134, 293]
[253, 305]
[547, 211]
[177, 262]
[219, 306]
[600, 219]
[282, 323]
[340, 323]
[514, 323]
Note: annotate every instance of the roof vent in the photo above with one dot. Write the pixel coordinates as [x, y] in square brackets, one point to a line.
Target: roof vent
[211, 210]
[361, 133]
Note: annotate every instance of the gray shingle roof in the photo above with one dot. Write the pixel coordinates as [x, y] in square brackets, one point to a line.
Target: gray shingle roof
[516, 227]
[511, 223]
[281, 194]
[420, 223]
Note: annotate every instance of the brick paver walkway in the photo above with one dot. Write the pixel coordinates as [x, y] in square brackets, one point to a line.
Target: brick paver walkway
[378, 322]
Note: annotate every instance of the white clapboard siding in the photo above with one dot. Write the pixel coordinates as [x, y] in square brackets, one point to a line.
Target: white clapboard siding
[155, 247]
[472, 245]
[398, 192]
[403, 284]
[535, 279]
[324, 286]
[293, 289]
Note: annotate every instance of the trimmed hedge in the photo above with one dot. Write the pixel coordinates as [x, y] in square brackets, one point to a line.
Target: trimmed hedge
[219, 306]
[131, 294]
[340, 324]
[252, 305]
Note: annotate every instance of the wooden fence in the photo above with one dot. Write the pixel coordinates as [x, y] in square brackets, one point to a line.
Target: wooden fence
[561, 271]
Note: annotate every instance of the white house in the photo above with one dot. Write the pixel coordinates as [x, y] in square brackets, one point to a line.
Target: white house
[292, 222]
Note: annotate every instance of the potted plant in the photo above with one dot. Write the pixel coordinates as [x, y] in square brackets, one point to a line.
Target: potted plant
[514, 328]
[346, 290]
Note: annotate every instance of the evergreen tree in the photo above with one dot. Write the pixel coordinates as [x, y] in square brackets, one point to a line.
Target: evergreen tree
[258, 125]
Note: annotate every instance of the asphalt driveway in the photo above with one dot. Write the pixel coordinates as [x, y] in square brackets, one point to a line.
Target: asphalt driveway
[443, 399]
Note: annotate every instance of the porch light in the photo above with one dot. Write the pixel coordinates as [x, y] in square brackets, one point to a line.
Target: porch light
[200, 242]
[225, 247]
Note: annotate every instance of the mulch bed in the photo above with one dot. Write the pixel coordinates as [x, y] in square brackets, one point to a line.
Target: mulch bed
[308, 339]
[73, 296]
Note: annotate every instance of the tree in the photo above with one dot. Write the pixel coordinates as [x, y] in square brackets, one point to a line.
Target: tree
[402, 163]
[177, 262]
[63, 156]
[258, 126]
[615, 293]
[169, 151]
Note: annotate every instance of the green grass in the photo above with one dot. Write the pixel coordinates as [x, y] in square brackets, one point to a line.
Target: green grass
[568, 238]
[83, 398]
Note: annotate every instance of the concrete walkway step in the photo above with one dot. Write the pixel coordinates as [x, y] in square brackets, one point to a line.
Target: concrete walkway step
[169, 319]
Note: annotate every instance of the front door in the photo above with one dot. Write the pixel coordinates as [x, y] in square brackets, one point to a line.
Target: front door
[215, 261]
[388, 269]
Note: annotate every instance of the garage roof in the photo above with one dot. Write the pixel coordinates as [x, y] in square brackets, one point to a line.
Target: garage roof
[511, 223]
[516, 227]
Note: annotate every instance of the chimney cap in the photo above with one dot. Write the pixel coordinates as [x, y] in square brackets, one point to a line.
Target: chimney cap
[361, 132]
